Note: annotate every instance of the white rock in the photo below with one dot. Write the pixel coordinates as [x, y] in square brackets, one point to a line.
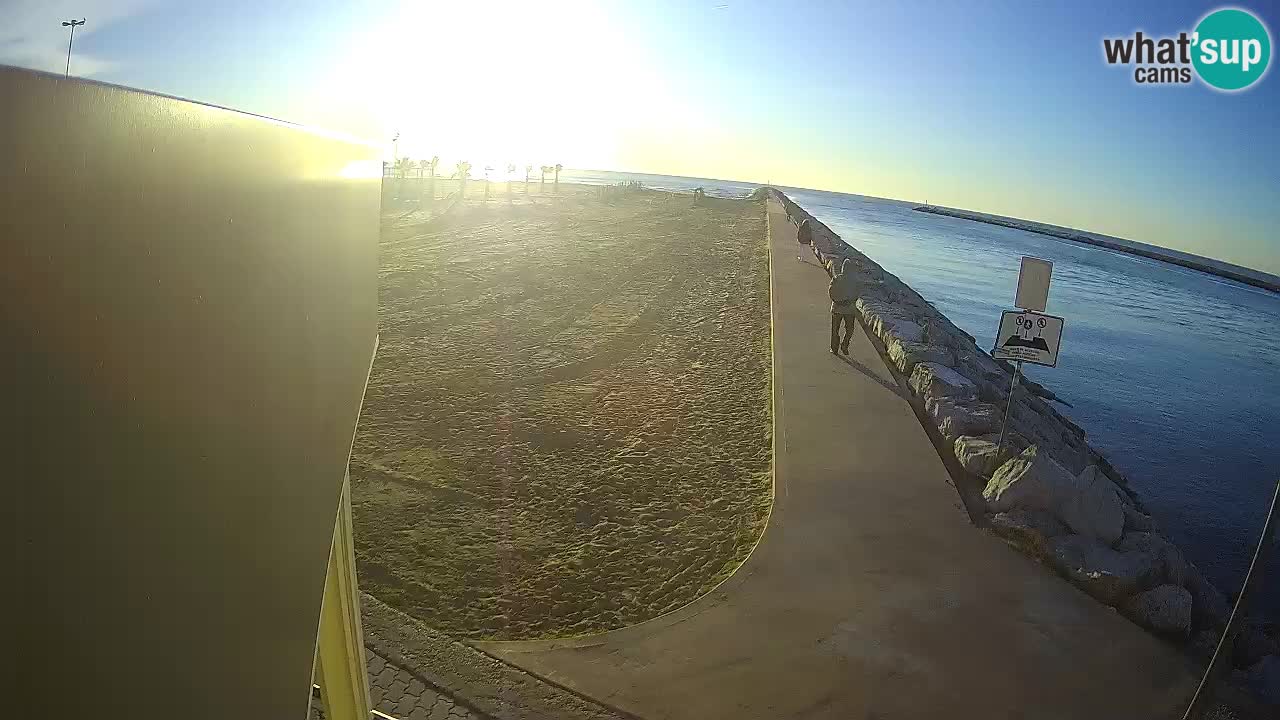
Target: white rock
[1050, 441]
[1264, 679]
[937, 331]
[905, 355]
[1253, 644]
[1032, 481]
[1107, 575]
[886, 320]
[871, 301]
[1136, 521]
[1209, 607]
[1024, 413]
[980, 365]
[1070, 458]
[1014, 442]
[1165, 608]
[975, 454]
[969, 418]
[901, 328]
[1095, 509]
[1203, 644]
[1028, 529]
[934, 380]
[1175, 567]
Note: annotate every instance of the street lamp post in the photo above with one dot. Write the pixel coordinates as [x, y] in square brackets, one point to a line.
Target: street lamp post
[71, 24]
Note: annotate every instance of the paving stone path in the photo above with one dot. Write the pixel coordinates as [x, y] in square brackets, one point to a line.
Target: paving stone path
[398, 693]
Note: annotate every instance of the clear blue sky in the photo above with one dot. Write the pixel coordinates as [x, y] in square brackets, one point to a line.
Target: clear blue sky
[1003, 107]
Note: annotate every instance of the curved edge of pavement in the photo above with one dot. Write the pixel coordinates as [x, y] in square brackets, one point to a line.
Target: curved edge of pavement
[716, 594]
[481, 683]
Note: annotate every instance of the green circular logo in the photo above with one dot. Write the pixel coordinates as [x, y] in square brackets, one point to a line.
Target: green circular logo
[1231, 49]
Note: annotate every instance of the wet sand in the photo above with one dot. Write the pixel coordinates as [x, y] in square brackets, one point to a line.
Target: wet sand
[567, 428]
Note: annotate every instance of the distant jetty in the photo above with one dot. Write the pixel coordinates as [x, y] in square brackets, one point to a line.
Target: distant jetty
[1245, 275]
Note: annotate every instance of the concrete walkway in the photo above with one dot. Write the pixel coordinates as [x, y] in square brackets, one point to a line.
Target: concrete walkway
[870, 595]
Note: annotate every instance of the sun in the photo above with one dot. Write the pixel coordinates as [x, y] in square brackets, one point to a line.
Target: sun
[504, 82]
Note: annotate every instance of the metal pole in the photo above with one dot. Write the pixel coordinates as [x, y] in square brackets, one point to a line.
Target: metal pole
[1226, 644]
[71, 24]
[1004, 426]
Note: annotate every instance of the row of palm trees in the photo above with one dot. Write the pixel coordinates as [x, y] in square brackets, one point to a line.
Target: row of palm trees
[404, 167]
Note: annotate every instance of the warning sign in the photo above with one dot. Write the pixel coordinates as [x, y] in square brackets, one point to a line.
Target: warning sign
[1028, 336]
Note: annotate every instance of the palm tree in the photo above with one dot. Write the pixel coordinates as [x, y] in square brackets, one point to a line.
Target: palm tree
[462, 173]
[487, 169]
[511, 168]
[556, 186]
[403, 165]
[431, 169]
[545, 169]
[528, 170]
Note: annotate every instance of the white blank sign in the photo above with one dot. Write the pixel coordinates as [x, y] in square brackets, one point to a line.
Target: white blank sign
[1033, 284]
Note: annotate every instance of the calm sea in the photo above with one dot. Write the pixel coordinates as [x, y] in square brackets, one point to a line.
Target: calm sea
[1174, 373]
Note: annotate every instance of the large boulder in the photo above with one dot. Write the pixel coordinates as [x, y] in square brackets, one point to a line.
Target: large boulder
[976, 454]
[986, 364]
[936, 380]
[1107, 575]
[1094, 509]
[1203, 643]
[955, 419]
[1028, 529]
[1137, 521]
[1164, 608]
[1254, 642]
[1175, 569]
[939, 331]
[1209, 607]
[1264, 679]
[992, 386]
[1049, 437]
[900, 327]
[906, 355]
[1031, 481]
[886, 320]
[1014, 443]
[1024, 413]
[1074, 459]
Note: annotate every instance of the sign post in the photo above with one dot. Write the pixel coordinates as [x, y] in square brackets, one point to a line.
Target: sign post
[1004, 424]
[1027, 335]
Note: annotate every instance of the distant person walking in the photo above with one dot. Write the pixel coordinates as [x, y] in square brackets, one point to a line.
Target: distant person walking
[804, 235]
[844, 296]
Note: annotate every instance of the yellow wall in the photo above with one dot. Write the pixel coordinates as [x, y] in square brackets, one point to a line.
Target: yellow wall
[191, 298]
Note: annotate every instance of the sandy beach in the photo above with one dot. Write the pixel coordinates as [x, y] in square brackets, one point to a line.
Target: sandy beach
[567, 427]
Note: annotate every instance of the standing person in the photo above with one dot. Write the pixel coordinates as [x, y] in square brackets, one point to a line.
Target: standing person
[805, 237]
[844, 296]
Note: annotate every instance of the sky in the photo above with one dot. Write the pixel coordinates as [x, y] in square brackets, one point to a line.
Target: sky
[1002, 107]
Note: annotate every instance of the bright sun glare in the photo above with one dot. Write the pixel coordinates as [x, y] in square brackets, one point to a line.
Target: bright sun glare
[505, 82]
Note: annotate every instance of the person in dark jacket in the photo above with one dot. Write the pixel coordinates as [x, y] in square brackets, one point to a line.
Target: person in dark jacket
[805, 237]
[844, 292]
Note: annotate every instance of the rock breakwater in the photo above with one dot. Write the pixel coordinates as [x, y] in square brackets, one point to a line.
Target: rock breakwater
[1048, 492]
